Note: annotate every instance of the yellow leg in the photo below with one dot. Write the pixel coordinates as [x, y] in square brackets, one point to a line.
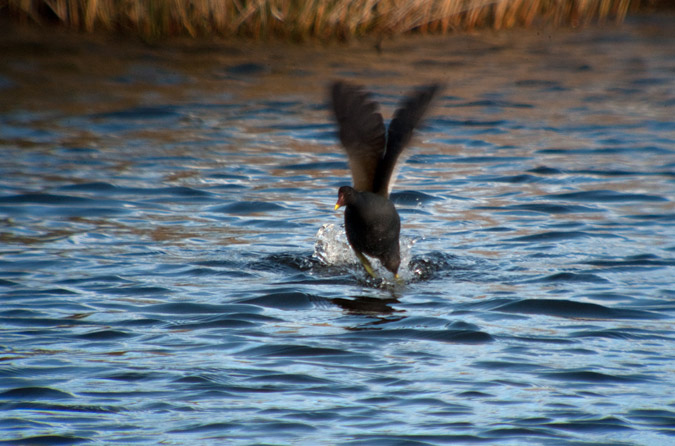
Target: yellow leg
[366, 264]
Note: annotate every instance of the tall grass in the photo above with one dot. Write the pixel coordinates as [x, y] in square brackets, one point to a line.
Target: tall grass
[303, 19]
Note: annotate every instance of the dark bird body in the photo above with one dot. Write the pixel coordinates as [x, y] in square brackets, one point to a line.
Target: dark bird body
[371, 221]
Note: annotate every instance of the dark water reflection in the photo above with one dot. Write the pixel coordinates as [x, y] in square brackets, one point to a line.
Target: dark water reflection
[163, 280]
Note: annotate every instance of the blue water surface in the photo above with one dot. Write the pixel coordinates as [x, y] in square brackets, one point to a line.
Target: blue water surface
[172, 270]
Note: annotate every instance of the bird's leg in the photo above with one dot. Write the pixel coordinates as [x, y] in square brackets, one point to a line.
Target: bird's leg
[366, 264]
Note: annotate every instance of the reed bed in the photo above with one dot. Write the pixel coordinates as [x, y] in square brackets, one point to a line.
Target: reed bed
[306, 19]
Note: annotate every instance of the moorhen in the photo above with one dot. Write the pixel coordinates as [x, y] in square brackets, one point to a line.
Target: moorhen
[371, 221]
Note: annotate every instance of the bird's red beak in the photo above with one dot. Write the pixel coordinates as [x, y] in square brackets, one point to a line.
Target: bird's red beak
[340, 202]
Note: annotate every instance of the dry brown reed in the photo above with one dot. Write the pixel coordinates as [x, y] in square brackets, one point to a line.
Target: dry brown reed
[303, 19]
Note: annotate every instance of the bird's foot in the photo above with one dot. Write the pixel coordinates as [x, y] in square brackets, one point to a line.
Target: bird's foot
[366, 264]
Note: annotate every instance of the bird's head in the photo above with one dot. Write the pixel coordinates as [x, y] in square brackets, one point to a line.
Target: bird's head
[346, 196]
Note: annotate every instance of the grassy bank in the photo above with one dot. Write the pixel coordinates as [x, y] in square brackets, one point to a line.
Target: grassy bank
[304, 19]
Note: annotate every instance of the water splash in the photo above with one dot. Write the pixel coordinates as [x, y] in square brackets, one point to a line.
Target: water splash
[331, 246]
[332, 249]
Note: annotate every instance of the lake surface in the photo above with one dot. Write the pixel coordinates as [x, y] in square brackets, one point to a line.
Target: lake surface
[173, 272]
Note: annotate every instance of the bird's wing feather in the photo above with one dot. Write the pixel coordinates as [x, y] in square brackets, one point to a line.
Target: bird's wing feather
[406, 118]
[362, 132]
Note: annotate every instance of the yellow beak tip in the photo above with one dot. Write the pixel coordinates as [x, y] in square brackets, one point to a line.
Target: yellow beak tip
[337, 206]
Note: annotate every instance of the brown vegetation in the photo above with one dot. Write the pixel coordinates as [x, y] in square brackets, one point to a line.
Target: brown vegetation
[303, 19]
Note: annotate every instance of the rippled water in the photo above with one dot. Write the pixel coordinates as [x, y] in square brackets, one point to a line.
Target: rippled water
[173, 272]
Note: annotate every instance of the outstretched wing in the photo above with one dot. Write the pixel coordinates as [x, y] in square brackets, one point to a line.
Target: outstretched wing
[362, 132]
[406, 118]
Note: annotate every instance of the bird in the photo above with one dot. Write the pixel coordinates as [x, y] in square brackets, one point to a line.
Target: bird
[372, 224]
